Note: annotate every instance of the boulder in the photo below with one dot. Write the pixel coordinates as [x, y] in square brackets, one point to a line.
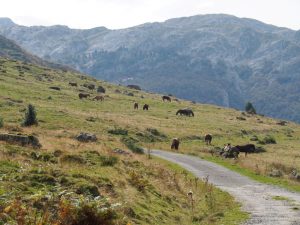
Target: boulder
[20, 139]
[86, 137]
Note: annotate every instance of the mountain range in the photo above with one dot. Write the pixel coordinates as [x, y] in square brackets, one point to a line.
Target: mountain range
[215, 59]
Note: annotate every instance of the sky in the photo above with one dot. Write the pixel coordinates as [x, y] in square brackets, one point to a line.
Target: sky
[116, 14]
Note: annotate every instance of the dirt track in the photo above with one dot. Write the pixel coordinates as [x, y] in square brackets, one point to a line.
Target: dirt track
[256, 198]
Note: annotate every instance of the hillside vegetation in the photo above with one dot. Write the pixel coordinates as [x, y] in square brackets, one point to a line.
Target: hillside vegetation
[103, 182]
[216, 59]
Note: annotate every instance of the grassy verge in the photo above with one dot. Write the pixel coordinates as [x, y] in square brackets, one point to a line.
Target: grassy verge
[251, 174]
[229, 215]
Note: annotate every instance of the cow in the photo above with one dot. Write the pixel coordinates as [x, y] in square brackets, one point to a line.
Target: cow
[146, 107]
[166, 98]
[99, 97]
[73, 84]
[208, 139]
[185, 112]
[175, 144]
[136, 105]
[248, 148]
[83, 95]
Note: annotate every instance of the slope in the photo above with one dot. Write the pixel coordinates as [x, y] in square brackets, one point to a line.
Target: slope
[102, 182]
[217, 59]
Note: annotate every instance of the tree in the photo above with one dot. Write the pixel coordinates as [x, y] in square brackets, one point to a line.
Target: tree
[30, 117]
[249, 108]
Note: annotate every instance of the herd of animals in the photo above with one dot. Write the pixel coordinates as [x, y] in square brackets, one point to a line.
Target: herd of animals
[226, 152]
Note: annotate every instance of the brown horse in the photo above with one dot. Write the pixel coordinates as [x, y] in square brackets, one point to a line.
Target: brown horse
[74, 84]
[175, 144]
[99, 97]
[136, 105]
[208, 139]
[83, 95]
[166, 98]
[146, 107]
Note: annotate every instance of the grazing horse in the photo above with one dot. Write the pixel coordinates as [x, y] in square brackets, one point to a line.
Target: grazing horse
[99, 97]
[249, 148]
[136, 105]
[166, 98]
[83, 95]
[146, 107]
[175, 144]
[74, 84]
[185, 112]
[208, 139]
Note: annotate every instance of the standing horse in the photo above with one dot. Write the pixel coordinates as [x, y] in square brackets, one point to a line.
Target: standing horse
[136, 105]
[208, 139]
[166, 98]
[175, 144]
[146, 107]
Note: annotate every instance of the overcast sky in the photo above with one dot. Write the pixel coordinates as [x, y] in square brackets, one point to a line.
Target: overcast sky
[116, 14]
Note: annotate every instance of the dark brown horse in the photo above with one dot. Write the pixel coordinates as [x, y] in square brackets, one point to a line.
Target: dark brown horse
[248, 148]
[208, 139]
[74, 84]
[136, 105]
[185, 112]
[175, 144]
[99, 97]
[83, 95]
[166, 98]
[146, 107]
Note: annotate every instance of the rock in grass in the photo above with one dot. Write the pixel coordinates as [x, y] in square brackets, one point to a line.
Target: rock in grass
[23, 140]
[86, 137]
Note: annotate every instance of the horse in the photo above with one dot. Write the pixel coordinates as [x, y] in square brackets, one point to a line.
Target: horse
[99, 97]
[73, 84]
[208, 139]
[166, 98]
[185, 112]
[146, 107]
[83, 95]
[175, 144]
[248, 148]
[136, 105]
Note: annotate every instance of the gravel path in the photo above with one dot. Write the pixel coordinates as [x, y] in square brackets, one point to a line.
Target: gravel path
[256, 198]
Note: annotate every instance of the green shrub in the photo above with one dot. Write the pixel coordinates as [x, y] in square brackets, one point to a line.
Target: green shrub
[155, 132]
[88, 189]
[249, 108]
[267, 140]
[73, 159]
[30, 116]
[137, 180]
[118, 131]
[108, 160]
[131, 144]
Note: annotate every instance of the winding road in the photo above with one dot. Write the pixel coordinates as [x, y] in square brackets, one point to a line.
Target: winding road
[256, 198]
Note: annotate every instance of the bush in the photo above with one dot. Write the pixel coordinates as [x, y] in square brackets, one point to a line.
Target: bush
[267, 140]
[137, 180]
[1, 122]
[30, 117]
[88, 189]
[156, 132]
[108, 160]
[100, 89]
[131, 144]
[73, 159]
[118, 131]
[249, 108]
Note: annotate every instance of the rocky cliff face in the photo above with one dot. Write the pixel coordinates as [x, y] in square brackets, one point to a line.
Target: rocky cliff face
[217, 59]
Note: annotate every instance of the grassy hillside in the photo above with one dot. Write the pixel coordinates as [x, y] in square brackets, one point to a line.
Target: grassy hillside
[139, 191]
[69, 182]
